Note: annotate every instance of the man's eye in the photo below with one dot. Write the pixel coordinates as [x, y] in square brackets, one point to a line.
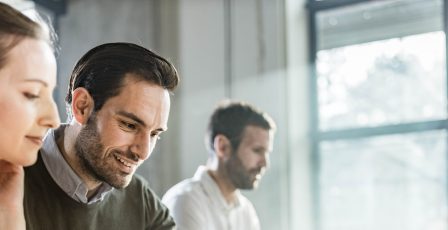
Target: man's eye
[128, 125]
[30, 96]
[156, 135]
[259, 151]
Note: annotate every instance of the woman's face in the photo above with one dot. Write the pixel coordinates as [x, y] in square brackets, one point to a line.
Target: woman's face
[27, 109]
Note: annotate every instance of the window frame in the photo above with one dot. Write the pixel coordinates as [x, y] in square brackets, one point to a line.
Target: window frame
[317, 136]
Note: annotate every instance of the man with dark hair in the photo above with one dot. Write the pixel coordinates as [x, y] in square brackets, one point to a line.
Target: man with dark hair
[239, 139]
[118, 103]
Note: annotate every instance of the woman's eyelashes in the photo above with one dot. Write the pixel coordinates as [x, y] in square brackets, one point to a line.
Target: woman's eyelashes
[31, 96]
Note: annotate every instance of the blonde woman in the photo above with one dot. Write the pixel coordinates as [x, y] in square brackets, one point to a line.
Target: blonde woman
[27, 109]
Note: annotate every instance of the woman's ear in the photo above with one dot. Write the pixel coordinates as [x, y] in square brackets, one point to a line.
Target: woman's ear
[223, 147]
[82, 105]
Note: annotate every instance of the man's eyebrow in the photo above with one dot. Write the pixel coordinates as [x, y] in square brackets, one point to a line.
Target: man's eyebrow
[136, 119]
[37, 80]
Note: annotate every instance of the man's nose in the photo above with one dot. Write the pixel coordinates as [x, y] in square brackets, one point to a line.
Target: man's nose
[264, 161]
[142, 146]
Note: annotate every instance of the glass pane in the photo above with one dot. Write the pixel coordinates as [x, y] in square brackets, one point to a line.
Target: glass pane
[400, 78]
[388, 183]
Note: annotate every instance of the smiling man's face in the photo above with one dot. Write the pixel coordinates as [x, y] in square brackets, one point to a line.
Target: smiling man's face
[123, 133]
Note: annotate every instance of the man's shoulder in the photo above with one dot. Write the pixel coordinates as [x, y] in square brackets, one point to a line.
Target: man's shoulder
[139, 181]
[246, 204]
[138, 184]
[185, 187]
[188, 189]
[186, 196]
[243, 199]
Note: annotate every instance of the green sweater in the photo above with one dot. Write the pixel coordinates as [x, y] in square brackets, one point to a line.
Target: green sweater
[48, 207]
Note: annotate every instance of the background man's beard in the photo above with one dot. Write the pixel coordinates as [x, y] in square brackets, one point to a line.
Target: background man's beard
[238, 175]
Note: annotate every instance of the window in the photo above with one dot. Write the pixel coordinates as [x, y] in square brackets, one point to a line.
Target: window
[379, 108]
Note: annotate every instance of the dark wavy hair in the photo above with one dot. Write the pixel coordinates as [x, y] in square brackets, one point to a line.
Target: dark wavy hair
[102, 70]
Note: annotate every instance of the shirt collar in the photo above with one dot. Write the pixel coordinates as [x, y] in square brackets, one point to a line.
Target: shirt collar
[64, 176]
[212, 189]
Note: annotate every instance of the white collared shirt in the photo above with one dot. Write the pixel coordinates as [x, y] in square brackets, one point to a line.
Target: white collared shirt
[197, 203]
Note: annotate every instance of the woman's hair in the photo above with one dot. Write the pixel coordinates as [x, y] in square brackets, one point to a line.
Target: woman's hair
[15, 26]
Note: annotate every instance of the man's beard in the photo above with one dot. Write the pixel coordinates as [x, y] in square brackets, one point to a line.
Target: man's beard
[93, 160]
[239, 175]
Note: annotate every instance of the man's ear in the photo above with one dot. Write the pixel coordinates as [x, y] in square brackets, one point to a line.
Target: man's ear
[223, 147]
[82, 105]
